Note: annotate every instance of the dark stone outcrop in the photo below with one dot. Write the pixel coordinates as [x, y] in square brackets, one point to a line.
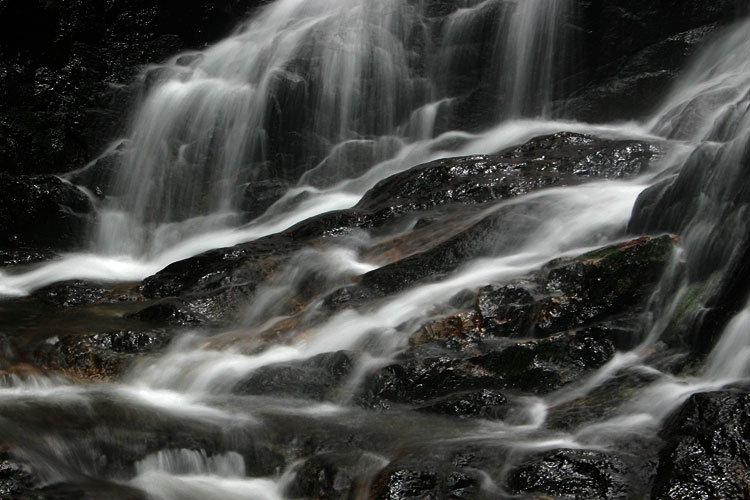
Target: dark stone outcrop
[556, 160]
[636, 84]
[563, 158]
[216, 269]
[483, 403]
[65, 75]
[574, 474]
[42, 212]
[453, 382]
[602, 283]
[629, 60]
[16, 478]
[99, 356]
[71, 294]
[319, 377]
[429, 475]
[707, 448]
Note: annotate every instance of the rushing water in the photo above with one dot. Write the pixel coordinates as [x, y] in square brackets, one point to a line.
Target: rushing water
[357, 83]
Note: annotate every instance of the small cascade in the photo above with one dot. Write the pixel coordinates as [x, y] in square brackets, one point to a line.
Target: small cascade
[707, 202]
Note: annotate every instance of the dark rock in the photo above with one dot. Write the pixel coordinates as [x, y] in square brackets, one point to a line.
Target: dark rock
[623, 27]
[333, 475]
[560, 159]
[594, 301]
[90, 490]
[42, 212]
[319, 377]
[458, 331]
[260, 195]
[71, 293]
[484, 403]
[417, 381]
[216, 269]
[506, 311]
[57, 107]
[569, 294]
[536, 366]
[100, 356]
[98, 176]
[636, 83]
[602, 283]
[168, 312]
[604, 401]
[704, 202]
[574, 474]
[431, 475]
[406, 483]
[555, 160]
[16, 478]
[21, 257]
[707, 448]
[455, 381]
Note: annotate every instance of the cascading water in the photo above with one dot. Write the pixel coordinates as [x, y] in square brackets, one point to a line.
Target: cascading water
[534, 51]
[351, 88]
[345, 82]
[207, 127]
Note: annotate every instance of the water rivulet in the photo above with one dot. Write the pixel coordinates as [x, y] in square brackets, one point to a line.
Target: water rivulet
[354, 251]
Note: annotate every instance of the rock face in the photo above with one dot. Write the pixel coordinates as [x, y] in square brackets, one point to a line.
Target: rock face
[629, 61]
[42, 212]
[707, 448]
[65, 75]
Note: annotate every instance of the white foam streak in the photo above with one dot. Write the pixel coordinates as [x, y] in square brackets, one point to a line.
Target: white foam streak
[164, 486]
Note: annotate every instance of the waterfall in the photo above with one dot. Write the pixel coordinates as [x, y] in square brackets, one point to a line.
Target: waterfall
[533, 56]
[325, 99]
[318, 87]
[707, 201]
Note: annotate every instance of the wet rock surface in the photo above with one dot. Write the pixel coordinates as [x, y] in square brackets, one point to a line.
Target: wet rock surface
[573, 474]
[706, 449]
[42, 212]
[16, 478]
[99, 356]
[470, 351]
[320, 377]
[559, 159]
[630, 62]
[66, 76]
